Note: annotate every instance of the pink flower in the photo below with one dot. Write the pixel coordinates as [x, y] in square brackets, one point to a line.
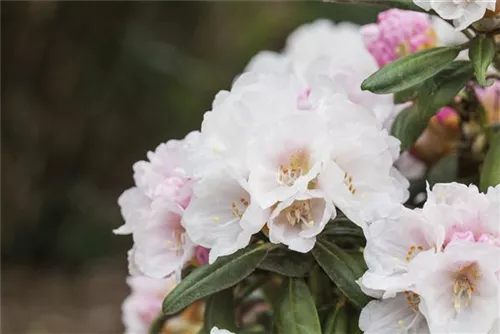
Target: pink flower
[153, 210]
[398, 33]
[490, 99]
[144, 304]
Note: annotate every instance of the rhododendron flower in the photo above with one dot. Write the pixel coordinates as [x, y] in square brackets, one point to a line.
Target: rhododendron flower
[153, 209]
[394, 238]
[447, 253]
[284, 154]
[314, 49]
[220, 208]
[297, 221]
[462, 12]
[394, 315]
[144, 304]
[459, 286]
[397, 34]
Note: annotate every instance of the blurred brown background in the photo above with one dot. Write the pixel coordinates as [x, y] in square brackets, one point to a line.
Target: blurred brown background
[87, 88]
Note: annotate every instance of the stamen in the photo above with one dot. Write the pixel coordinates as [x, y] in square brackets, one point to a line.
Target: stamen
[348, 182]
[412, 251]
[299, 212]
[464, 286]
[239, 207]
[298, 165]
[413, 300]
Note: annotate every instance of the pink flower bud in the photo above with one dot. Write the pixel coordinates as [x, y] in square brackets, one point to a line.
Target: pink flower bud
[490, 99]
[398, 33]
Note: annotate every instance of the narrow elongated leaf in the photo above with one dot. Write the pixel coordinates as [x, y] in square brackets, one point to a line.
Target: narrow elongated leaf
[353, 322]
[342, 270]
[342, 227]
[406, 95]
[320, 287]
[490, 173]
[409, 71]
[219, 311]
[337, 320]
[401, 4]
[408, 126]
[209, 279]
[296, 313]
[481, 54]
[441, 89]
[287, 263]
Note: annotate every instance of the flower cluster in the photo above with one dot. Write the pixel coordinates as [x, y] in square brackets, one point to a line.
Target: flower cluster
[397, 34]
[462, 12]
[436, 269]
[294, 143]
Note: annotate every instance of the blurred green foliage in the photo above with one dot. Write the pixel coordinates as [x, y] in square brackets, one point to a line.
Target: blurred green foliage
[89, 87]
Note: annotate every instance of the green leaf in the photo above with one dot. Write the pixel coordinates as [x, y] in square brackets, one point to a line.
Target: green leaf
[341, 228]
[409, 71]
[287, 263]
[209, 279]
[481, 54]
[219, 311]
[296, 313]
[441, 89]
[342, 270]
[445, 170]
[353, 322]
[490, 173]
[337, 321]
[320, 287]
[408, 126]
[406, 95]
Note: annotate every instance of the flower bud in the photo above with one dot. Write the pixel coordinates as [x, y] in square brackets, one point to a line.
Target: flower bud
[439, 137]
[397, 34]
[490, 100]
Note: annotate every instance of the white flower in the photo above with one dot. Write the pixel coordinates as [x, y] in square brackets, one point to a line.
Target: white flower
[394, 315]
[216, 330]
[313, 49]
[220, 208]
[301, 149]
[448, 253]
[254, 100]
[392, 242]
[297, 221]
[462, 12]
[459, 287]
[152, 211]
[286, 156]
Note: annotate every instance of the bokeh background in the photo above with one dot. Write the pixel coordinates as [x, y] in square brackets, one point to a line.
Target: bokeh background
[87, 89]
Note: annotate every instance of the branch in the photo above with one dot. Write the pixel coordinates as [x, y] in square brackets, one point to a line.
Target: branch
[402, 4]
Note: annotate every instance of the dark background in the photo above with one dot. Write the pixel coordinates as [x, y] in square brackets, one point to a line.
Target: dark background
[87, 88]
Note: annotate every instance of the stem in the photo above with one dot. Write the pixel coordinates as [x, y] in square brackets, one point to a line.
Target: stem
[384, 3]
[468, 34]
